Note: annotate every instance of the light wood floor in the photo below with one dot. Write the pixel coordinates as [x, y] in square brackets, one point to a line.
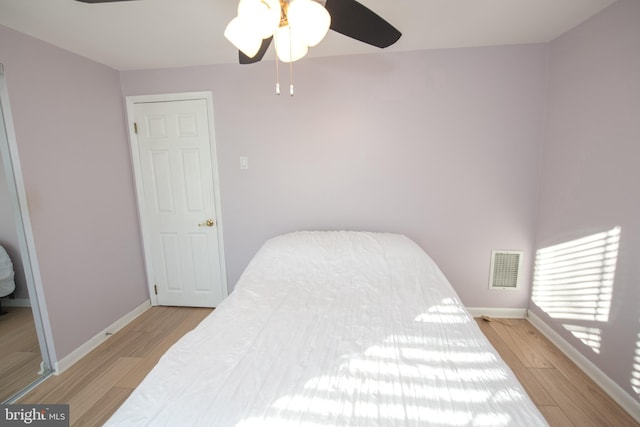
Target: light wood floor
[561, 391]
[98, 384]
[19, 351]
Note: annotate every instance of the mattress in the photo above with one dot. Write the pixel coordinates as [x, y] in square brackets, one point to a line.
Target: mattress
[334, 329]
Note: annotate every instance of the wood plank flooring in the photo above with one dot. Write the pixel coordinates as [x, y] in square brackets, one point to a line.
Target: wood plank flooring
[564, 394]
[19, 351]
[98, 384]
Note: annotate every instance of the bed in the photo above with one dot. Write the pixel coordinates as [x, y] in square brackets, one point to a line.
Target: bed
[333, 329]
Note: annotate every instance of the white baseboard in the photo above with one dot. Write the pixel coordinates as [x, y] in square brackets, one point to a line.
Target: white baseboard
[68, 361]
[617, 393]
[513, 313]
[17, 302]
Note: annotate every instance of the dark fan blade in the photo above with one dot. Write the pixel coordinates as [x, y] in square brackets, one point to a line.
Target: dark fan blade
[99, 1]
[244, 59]
[354, 20]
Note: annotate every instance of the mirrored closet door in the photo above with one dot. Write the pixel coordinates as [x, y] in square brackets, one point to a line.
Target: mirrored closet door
[24, 356]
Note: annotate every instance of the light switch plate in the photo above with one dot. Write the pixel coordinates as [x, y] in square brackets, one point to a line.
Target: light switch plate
[244, 162]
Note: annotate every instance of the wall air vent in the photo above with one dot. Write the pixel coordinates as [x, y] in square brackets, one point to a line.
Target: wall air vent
[505, 269]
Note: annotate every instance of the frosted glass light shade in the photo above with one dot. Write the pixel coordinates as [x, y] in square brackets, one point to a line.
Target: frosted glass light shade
[289, 45]
[262, 15]
[310, 20]
[244, 36]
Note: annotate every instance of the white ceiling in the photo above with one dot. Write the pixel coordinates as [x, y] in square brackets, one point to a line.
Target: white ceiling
[144, 34]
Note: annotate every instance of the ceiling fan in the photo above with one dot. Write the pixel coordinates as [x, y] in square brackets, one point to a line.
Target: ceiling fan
[347, 17]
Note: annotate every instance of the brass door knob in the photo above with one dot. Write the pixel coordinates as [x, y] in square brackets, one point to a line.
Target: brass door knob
[207, 223]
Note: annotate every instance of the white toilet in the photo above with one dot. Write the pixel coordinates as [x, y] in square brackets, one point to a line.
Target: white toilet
[7, 284]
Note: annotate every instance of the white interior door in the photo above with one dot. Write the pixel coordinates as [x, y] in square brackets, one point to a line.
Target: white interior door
[175, 172]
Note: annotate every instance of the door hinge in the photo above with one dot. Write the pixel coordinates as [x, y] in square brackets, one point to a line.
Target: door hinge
[135, 128]
[155, 289]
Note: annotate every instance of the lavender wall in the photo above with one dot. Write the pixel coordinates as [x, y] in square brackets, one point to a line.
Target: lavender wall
[590, 172]
[439, 145]
[71, 136]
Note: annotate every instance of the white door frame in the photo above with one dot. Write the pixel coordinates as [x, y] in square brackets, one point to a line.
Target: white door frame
[135, 158]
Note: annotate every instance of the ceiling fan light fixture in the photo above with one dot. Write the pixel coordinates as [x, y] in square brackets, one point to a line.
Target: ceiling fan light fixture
[310, 20]
[243, 36]
[289, 45]
[296, 25]
[262, 15]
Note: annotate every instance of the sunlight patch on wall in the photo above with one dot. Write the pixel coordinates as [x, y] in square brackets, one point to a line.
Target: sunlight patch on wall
[588, 336]
[635, 374]
[574, 280]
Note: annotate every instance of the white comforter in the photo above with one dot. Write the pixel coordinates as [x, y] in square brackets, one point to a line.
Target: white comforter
[334, 329]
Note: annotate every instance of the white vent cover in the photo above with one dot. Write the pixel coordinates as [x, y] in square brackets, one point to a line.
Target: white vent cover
[505, 269]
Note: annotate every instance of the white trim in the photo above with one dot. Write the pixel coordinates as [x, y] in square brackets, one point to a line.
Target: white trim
[513, 313]
[135, 158]
[617, 393]
[135, 162]
[70, 359]
[17, 302]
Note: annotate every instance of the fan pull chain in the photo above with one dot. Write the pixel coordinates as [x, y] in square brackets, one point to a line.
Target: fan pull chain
[275, 39]
[290, 65]
[277, 77]
[291, 78]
